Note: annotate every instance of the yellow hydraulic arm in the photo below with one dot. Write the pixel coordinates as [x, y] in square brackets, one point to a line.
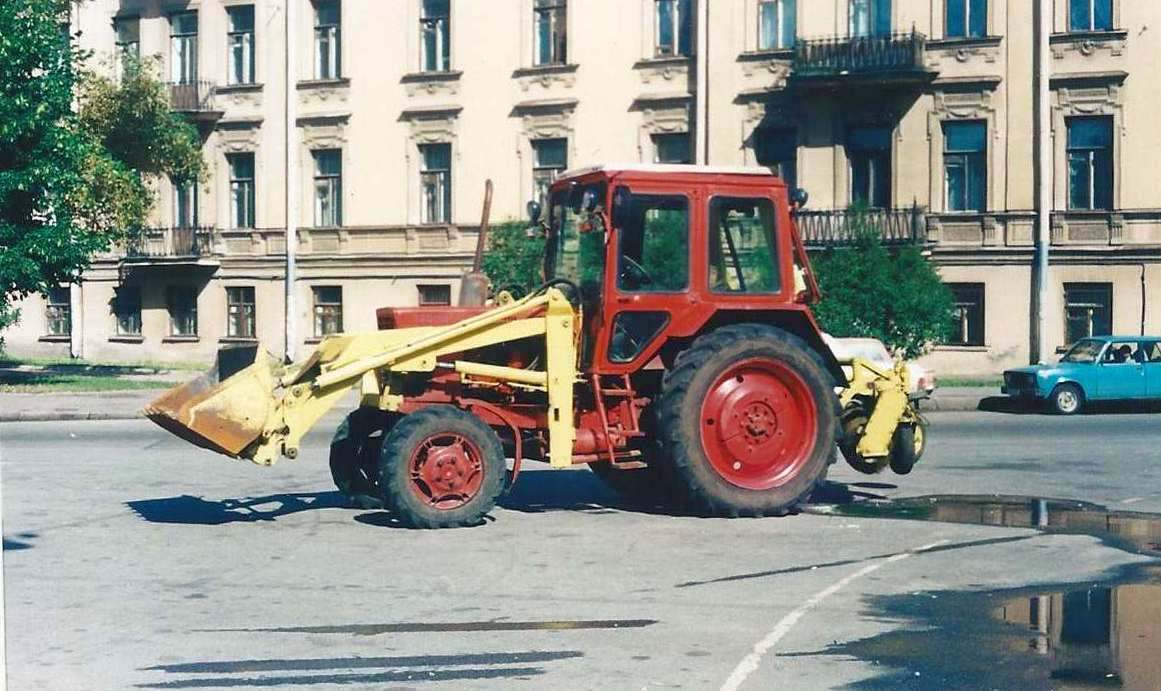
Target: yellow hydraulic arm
[263, 411]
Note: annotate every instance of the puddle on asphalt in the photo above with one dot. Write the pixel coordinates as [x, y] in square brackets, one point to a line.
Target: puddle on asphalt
[1088, 636]
[1136, 531]
[1072, 637]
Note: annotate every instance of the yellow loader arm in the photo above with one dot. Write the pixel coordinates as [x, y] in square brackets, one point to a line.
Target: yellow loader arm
[263, 411]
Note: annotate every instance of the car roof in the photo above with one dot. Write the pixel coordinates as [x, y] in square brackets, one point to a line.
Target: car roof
[1134, 337]
[612, 168]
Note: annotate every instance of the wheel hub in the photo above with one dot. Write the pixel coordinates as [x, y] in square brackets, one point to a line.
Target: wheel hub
[758, 424]
[446, 471]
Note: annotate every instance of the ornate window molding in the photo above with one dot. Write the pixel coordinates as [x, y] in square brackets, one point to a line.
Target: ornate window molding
[1094, 95]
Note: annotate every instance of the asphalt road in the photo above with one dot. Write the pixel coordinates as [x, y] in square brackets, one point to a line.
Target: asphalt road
[132, 560]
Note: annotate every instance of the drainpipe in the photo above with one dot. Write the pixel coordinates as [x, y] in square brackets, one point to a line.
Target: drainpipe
[291, 317]
[1144, 299]
[701, 104]
[1042, 181]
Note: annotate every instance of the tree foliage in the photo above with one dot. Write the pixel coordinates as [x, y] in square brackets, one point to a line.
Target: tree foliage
[73, 180]
[870, 291]
[513, 259]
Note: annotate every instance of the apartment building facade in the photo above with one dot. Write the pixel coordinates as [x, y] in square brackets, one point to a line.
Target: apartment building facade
[921, 110]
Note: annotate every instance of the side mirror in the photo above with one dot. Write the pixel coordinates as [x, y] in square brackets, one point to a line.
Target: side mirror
[534, 211]
[622, 203]
[799, 197]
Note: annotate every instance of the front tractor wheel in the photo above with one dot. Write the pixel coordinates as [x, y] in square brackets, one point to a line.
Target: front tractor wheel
[748, 418]
[441, 467]
[354, 457]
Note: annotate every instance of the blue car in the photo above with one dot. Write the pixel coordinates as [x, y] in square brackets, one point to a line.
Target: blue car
[1104, 368]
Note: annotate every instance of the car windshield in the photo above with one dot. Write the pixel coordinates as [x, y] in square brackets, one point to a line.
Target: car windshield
[1085, 351]
[577, 241]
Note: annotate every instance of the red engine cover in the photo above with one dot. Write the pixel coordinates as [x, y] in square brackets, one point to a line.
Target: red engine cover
[407, 317]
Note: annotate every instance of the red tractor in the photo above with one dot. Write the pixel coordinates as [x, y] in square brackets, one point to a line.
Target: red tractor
[671, 348]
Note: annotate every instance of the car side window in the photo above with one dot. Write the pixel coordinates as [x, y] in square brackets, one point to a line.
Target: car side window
[1124, 353]
[1153, 352]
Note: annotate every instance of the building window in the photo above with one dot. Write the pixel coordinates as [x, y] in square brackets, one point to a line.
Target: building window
[1088, 309]
[328, 310]
[328, 187]
[870, 17]
[127, 310]
[869, 151]
[1090, 15]
[241, 190]
[550, 18]
[183, 47]
[549, 159]
[434, 295]
[965, 165]
[182, 302]
[185, 204]
[327, 40]
[776, 24]
[671, 148]
[1090, 162]
[777, 149]
[967, 327]
[435, 183]
[673, 21]
[240, 312]
[240, 44]
[967, 18]
[58, 312]
[128, 38]
[434, 35]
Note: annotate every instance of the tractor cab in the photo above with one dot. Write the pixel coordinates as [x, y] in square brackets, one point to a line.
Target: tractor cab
[658, 253]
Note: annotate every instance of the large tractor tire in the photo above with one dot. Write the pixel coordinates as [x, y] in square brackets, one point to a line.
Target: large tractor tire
[747, 418]
[441, 467]
[354, 458]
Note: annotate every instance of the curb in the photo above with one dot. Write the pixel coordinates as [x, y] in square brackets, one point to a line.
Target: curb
[951, 405]
[67, 415]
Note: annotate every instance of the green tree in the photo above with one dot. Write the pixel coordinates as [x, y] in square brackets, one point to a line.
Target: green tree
[72, 180]
[871, 291]
[513, 259]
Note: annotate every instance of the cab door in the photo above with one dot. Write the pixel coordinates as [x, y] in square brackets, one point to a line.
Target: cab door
[650, 273]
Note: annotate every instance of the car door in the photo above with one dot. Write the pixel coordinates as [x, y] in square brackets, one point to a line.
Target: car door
[1153, 368]
[1122, 371]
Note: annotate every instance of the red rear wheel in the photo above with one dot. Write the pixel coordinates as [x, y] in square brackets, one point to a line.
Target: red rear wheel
[758, 423]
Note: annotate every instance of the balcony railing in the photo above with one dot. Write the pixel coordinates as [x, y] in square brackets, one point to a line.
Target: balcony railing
[171, 243]
[836, 228]
[192, 97]
[889, 55]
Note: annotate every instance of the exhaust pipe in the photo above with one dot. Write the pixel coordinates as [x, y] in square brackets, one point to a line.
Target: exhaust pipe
[474, 288]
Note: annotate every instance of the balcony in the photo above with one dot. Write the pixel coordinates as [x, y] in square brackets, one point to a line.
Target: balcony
[194, 99]
[822, 229]
[171, 246]
[845, 60]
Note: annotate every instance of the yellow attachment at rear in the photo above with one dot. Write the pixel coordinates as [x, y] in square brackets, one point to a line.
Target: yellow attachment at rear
[892, 405]
[263, 411]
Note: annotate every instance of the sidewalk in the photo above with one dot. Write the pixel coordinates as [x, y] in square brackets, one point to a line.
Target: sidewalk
[127, 405]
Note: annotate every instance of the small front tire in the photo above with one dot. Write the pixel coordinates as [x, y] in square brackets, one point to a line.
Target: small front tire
[441, 467]
[354, 454]
[1066, 399]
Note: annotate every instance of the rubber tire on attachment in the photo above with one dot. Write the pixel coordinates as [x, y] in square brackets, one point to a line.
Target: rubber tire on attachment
[394, 474]
[354, 454]
[1060, 392]
[904, 453]
[853, 418]
[685, 388]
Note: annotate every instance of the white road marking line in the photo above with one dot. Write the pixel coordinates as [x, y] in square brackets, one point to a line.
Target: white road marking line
[750, 663]
[1134, 500]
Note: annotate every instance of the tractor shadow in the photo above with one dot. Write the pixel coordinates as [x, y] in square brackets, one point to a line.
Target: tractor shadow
[191, 510]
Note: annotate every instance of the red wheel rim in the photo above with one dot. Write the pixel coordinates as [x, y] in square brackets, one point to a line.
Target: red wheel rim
[758, 424]
[446, 471]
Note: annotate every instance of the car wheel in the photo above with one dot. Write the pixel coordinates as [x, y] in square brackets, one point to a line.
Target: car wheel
[1067, 399]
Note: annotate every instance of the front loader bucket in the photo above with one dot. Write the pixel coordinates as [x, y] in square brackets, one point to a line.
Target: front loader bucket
[225, 409]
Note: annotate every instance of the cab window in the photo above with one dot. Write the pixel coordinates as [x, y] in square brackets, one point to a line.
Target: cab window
[577, 245]
[742, 255]
[654, 252]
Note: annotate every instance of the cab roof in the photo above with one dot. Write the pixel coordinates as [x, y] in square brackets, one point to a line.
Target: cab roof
[614, 168]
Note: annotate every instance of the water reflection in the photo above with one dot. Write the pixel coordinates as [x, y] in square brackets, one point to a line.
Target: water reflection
[1094, 638]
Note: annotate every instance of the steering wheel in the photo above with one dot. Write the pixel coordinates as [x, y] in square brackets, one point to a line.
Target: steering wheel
[632, 271]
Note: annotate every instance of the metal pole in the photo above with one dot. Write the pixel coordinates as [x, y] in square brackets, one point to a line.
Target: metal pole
[291, 318]
[1042, 177]
[701, 105]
